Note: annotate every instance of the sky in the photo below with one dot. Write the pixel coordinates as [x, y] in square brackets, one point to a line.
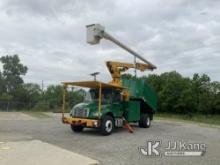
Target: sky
[50, 36]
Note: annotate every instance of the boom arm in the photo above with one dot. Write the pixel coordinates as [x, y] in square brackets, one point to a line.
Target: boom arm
[115, 68]
[95, 32]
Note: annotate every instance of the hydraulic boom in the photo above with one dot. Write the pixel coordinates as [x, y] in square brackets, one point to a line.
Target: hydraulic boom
[115, 69]
[95, 32]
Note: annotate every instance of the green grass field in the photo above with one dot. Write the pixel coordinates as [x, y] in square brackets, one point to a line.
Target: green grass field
[210, 119]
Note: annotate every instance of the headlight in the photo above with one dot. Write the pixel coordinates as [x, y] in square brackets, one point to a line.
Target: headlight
[95, 113]
[95, 124]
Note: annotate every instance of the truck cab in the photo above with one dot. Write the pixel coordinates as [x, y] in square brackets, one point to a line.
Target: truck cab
[111, 104]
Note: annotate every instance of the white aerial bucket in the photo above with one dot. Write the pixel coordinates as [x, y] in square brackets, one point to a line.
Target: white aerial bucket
[94, 32]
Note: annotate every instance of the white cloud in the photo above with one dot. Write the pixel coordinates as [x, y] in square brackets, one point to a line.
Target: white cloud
[50, 36]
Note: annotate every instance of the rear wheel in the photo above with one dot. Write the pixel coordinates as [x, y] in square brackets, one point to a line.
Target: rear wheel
[144, 121]
[107, 125]
[76, 128]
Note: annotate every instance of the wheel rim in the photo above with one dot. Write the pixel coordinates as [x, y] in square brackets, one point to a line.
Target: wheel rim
[148, 121]
[108, 126]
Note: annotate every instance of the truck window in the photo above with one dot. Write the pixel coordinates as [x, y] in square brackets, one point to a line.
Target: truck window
[106, 95]
[116, 96]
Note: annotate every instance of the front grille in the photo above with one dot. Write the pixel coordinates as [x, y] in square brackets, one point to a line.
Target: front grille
[81, 112]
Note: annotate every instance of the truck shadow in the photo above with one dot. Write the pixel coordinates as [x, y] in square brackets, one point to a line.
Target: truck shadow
[97, 132]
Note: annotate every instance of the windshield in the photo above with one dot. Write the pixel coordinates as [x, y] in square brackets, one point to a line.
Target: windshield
[108, 95]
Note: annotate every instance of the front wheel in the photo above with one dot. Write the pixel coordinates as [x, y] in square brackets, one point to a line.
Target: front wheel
[107, 125]
[77, 128]
[144, 121]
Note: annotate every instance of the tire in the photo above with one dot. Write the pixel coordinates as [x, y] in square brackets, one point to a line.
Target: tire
[144, 121]
[107, 125]
[77, 128]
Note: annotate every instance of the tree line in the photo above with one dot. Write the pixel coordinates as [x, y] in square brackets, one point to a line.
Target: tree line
[184, 95]
[176, 94]
[17, 95]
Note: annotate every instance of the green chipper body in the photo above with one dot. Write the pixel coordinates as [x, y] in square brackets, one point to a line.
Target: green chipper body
[142, 98]
[140, 89]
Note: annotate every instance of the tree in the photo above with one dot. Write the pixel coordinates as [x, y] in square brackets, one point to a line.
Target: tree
[202, 93]
[1, 83]
[177, 94]
[12, 72]
[155, 81]
[75, 96]
[32, 94]
[215, 99]
[53, 96]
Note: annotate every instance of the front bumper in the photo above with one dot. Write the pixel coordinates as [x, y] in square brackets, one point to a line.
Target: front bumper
[80, 121]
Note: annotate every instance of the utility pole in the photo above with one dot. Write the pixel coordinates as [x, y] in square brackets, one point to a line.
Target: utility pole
[135, 69]
[42, 86]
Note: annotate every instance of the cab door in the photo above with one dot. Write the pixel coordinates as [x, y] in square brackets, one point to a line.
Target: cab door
[117, 104]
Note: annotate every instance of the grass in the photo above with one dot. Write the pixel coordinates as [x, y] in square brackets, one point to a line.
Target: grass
[210, 119]
[41, 115]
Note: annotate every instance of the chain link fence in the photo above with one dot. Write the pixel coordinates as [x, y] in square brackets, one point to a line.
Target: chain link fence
[9, 106]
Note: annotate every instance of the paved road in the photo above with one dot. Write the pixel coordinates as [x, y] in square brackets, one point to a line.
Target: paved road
[120, 147]
[35, 152]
